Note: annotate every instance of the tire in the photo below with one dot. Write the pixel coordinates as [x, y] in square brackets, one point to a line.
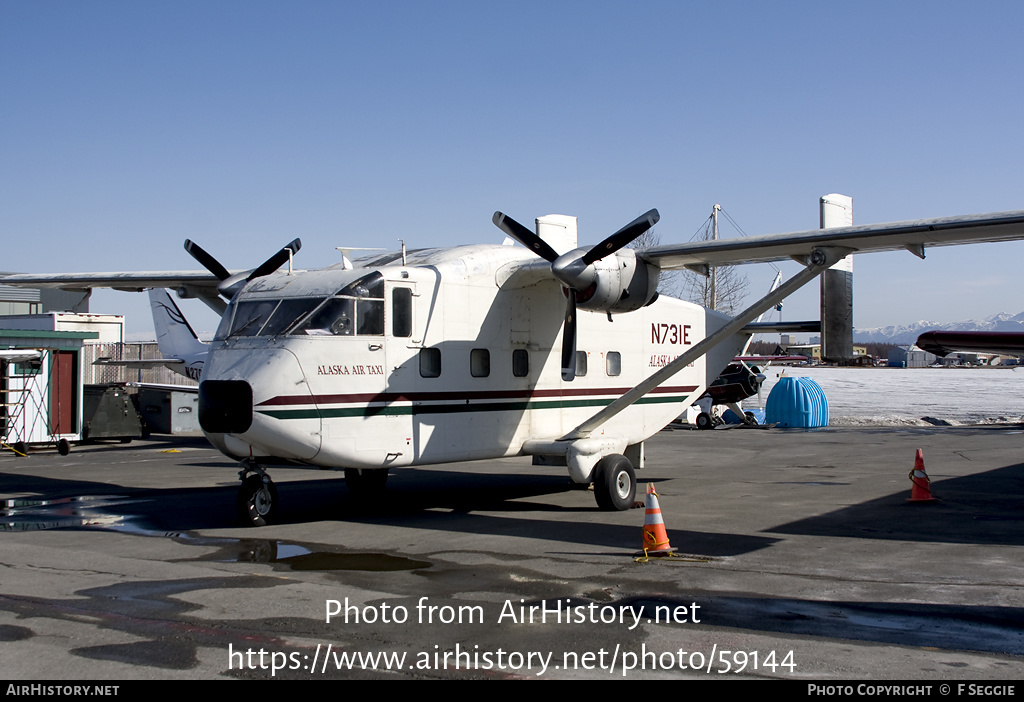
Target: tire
[257, 501]
[705, 421]
[63, 447]
[614, 483]
[749, 418]
[366, 482]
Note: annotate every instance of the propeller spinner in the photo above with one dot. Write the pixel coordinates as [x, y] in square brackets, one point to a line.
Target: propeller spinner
[575, 270]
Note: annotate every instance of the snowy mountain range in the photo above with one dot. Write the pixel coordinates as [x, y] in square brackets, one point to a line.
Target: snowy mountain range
[908, 333]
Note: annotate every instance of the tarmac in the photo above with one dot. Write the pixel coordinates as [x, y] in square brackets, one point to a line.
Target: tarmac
[798, 557]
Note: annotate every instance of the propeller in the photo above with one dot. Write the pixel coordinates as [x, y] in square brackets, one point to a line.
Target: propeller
[575, 270]
[230, 284]
[524, 236]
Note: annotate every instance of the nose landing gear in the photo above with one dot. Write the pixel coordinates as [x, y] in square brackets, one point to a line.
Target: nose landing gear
[257, 496]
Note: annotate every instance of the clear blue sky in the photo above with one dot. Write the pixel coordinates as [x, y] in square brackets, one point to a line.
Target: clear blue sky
[126, 127]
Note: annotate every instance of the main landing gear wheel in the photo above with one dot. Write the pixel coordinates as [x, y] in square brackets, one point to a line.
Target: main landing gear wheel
[705, 421]
[750, 418]
[257, 501]
[366, 482]
[614, 483]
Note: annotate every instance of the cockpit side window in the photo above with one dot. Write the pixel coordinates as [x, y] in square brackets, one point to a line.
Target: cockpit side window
[335, 317]
[225, 322]
[358, 308]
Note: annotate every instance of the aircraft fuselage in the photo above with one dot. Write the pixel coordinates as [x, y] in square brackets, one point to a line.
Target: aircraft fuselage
[433, 361]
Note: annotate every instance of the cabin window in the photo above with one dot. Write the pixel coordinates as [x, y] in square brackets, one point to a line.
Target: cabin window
[613, 363]
[520, 363]
[430, 363]
[480, 363]
[401, 312]
[581, 364]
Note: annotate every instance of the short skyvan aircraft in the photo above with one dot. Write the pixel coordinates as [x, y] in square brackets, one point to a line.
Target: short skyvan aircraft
[559, 352]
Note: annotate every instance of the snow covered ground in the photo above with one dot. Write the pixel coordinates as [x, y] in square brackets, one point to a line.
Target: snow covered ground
[902, 396]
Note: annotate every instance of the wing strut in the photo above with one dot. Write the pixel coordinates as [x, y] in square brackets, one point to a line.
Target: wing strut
[820, 259]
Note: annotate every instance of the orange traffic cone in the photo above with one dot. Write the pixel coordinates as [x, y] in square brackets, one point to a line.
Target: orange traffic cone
[921, 490]
[655, 536]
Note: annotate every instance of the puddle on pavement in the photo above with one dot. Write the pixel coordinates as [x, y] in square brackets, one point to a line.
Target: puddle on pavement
[100, 512]
[95, 511]
[296, 556]
[299, 557]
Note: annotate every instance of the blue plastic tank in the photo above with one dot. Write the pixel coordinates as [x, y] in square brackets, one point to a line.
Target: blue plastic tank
[797, 402]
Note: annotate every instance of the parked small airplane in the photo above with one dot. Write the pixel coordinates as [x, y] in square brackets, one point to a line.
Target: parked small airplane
[740, 379]
[441, 355]
[733, 385]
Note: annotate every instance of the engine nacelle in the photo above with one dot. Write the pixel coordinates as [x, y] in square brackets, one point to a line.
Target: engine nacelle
[622, 284]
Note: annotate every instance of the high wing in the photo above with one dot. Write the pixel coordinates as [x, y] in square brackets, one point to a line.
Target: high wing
[129, 282]
[817, 250]
[213, 288]
[915, 236]
[198, 284]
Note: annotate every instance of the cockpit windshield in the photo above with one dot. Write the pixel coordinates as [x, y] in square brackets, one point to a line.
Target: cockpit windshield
[357, 309]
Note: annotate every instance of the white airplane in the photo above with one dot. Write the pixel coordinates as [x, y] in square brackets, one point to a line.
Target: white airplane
[561, 353]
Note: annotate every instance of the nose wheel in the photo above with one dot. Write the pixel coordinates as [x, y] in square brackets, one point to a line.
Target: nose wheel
[257, 499]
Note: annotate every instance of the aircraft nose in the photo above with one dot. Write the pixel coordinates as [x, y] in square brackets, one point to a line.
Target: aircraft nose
[225, 406]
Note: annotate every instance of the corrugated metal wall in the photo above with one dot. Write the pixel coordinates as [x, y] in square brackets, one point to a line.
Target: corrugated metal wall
[99, 374]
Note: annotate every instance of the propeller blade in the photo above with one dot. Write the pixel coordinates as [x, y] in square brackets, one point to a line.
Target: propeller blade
[275, 261]
[622, 237]
[206, 260]
[524, 236]
[569, 339]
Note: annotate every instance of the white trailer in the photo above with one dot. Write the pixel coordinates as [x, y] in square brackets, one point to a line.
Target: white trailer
[41, 388]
